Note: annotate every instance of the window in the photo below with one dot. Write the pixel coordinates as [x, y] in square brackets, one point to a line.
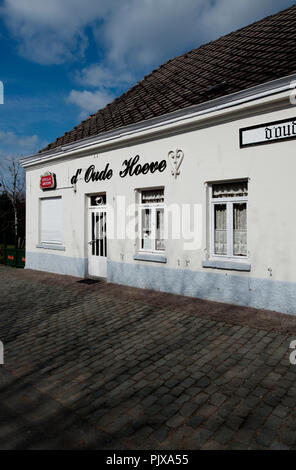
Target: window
[151, 220]
[228, 208]
[51, 220]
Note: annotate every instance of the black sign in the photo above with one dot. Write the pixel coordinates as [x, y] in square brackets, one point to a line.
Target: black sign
[131, 167]
[276, 131]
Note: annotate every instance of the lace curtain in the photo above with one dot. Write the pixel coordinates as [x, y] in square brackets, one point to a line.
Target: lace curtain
[230, 189]
[152, 196]
[240, 229]
[220, 229]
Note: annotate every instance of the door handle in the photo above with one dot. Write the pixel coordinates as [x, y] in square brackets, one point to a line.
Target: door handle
[91, 242]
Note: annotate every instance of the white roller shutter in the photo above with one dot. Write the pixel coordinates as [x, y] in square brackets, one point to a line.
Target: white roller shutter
[51, 220]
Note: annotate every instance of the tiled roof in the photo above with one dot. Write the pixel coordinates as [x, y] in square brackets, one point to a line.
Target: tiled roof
[255, 54]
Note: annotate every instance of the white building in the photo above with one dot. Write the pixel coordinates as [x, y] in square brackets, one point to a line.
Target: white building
[185, 183]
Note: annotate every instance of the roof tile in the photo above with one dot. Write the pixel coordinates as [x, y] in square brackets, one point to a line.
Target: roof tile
[255, 54]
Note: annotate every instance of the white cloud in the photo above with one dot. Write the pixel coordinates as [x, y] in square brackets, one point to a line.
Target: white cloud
[133, 33]
[228, 15]
[89, 101]
[11, 139]
[97, 75]
[13, 144]
[132, 36]
[148, 32]
[52, 31]
[145, 33]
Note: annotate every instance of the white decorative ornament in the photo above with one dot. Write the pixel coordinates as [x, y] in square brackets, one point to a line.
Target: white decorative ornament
[176, 159]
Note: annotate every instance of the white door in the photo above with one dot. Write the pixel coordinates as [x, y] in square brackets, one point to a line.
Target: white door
[97, 245]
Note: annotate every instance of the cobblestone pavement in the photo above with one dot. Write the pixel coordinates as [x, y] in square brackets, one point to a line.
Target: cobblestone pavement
[106, 367]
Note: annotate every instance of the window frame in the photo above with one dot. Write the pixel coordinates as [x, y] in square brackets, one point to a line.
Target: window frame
[229, 202]
[153, 207]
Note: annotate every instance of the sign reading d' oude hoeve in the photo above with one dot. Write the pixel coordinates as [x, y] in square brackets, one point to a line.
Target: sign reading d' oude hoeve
[268, 133]
[131, 167]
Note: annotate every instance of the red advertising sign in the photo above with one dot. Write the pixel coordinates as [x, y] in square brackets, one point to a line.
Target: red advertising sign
[48, 181]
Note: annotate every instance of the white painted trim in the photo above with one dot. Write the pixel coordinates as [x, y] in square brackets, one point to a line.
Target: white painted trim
[167, 122]
[229, 201]
[153, 208]
[156, 258]
[51, 246]
[225, 264]
[97, 264]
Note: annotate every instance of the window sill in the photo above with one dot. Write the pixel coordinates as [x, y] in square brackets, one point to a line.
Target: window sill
[150, 257]
[51, 246]
[230, 265]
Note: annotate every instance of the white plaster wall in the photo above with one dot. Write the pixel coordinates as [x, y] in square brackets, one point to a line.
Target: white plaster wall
[211, 153]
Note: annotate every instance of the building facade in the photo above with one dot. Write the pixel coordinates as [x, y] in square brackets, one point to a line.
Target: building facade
[197, 201]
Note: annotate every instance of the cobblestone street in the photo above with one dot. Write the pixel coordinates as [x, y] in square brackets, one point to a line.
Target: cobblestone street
[103, 366]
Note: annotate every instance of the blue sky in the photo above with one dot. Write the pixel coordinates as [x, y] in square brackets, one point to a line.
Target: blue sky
[61, 60]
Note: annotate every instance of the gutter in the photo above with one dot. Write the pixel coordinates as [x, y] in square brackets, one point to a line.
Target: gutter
[174, 119]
